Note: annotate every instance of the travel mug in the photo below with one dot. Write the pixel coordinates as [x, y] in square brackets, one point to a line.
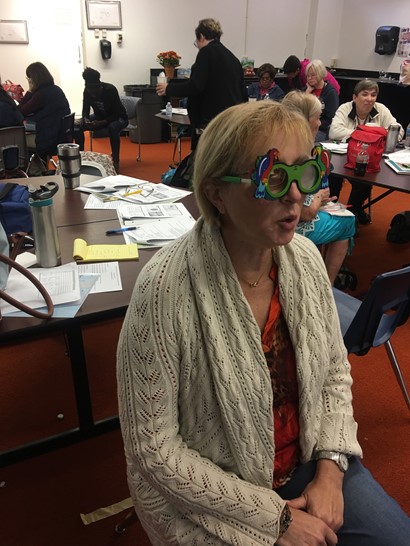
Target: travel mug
[69, 159]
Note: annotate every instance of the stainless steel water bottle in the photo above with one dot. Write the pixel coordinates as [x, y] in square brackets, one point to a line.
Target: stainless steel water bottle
[392, 137]
[46, 241]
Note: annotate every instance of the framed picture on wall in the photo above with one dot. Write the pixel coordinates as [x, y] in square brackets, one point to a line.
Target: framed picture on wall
[13, 32]
[103, 14]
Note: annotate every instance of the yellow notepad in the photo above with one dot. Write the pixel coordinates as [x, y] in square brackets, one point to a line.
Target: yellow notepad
[103, 253]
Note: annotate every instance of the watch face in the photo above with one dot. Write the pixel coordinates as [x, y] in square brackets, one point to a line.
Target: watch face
[343, 462]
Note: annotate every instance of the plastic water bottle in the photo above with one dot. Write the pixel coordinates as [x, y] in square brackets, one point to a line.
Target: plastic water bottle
[362, 160]
[168, 110]
[407, 137]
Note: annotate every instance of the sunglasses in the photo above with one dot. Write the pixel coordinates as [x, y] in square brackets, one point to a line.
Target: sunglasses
[273, 178]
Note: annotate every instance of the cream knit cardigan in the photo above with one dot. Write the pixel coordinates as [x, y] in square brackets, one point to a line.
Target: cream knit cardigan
[195, 394]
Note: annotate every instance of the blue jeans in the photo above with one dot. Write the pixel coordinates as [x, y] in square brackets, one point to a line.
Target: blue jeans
[371, 517]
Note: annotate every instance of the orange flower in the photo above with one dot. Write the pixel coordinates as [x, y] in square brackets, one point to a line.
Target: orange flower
[168, 58]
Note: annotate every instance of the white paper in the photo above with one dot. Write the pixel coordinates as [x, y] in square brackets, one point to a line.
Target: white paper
[161, 233]
[336, 147]
[26, 259]
[62, 284]
[110, 184]
[179, 111]
[336, 209]
[67, 310]
[99, 202]
[402, 157]
[152, 193]
[109, 276]
[127, 214]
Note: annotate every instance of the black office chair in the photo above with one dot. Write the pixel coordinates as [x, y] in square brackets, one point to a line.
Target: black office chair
[13, 152]
[67, 128]
[372, 322]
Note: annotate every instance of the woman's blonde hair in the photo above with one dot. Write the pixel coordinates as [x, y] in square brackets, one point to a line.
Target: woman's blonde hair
[308, 104]
[232, 141]
[319, 68]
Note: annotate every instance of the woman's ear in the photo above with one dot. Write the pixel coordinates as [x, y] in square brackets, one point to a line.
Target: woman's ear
[215, 195]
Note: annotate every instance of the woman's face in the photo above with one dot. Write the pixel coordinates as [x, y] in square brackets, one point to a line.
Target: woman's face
[312, 78]
[365, 101]
[314, 123]
[262, 223]
[265, 80]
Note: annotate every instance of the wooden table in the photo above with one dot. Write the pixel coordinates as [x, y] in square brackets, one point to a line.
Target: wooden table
[386, 178]
[73, 221]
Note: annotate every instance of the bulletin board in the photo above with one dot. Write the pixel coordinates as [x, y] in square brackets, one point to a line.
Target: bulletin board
[13, 32]
[102, 14]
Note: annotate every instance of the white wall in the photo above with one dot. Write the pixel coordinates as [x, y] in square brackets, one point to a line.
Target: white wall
[266, 30]
[359, 22]
[54, 30]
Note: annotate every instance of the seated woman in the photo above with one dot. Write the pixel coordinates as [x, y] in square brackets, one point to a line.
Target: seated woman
[266, 88]
[234, 387]
[9, 114]
[295, 70]
[47, 104]
[326, 93]
[320, 226]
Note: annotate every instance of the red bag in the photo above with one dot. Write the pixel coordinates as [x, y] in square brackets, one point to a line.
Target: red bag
[15, 90]
[375, 137]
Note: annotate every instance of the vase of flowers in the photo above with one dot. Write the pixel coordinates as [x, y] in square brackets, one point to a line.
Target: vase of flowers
[169, 60]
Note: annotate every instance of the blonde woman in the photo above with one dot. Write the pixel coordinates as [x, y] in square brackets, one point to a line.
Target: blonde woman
[320, 226]
[234, 386]
[325, 92]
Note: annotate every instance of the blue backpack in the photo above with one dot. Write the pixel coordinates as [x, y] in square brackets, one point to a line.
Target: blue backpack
[15, 214]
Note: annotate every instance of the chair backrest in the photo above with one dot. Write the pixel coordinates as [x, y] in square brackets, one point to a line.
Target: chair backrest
[385, 307]
[67, 128]
[13, 139]
[130, 105]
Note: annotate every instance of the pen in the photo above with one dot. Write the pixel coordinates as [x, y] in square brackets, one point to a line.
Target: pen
[119, 230]
[132, 192]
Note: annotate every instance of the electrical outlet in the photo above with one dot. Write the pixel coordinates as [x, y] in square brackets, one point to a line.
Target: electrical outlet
[97, 33]
[119, 38]
[104, 33]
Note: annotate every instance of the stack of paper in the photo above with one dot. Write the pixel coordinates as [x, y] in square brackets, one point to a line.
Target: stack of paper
[336, 147]
[133, 190]
[161, 232]
[399, 161]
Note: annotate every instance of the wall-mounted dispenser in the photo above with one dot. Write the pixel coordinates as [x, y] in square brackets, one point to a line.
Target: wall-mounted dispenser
[105, 47]
[386, 40]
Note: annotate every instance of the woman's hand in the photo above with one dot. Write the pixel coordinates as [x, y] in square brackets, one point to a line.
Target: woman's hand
[323, 496]
[161, 89]
[306, 530]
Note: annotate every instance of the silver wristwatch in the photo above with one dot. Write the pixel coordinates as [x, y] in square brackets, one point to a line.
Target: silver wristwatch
[339, 458]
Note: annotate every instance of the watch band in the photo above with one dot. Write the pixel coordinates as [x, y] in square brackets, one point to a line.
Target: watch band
[285, 520]
[340, 459]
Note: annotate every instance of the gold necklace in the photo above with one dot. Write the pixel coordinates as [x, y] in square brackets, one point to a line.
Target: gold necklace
[254, 284]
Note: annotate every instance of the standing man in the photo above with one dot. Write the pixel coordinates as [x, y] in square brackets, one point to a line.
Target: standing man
[108, 112]
[361, 110]
[216, 80]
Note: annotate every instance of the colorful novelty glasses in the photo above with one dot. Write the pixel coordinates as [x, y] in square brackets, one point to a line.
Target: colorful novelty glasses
[273, 179]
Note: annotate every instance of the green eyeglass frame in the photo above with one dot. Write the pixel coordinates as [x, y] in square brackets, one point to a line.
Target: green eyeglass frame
[274, 178]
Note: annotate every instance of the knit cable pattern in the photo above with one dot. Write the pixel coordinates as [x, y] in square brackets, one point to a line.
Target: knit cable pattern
[195, 394]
